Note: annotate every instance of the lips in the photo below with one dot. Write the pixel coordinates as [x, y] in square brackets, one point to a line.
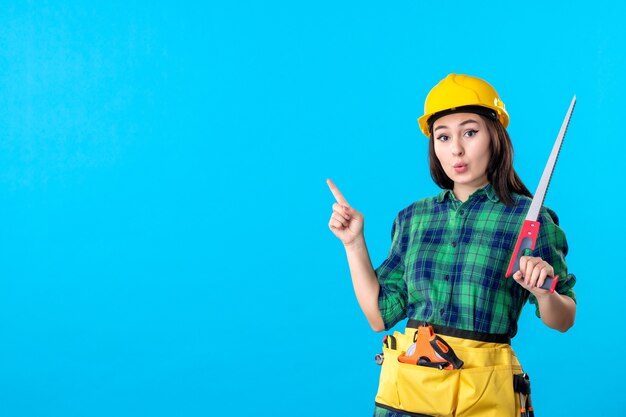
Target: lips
[460, 167]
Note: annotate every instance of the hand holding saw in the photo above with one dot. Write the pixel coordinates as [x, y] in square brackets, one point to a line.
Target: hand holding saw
[527, 238]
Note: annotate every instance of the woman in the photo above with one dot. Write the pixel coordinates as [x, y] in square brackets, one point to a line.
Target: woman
[446, 268]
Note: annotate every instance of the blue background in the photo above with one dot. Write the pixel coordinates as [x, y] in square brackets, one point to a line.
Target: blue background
[164, 248]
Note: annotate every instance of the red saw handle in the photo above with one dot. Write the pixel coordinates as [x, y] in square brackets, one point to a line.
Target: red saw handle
[527, 239]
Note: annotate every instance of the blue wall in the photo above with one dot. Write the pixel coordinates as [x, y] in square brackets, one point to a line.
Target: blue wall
[164, 248]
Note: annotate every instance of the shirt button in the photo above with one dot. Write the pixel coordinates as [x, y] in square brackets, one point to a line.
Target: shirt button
[441, 311]
[454, 244]
[447, 277]
[462, 212]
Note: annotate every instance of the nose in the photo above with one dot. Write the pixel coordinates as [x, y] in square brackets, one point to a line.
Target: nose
[456, 147]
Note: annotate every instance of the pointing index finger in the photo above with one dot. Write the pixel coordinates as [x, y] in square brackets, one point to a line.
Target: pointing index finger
[336, 193]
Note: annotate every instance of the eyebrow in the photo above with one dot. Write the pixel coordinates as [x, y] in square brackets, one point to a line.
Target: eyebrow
[463, 123]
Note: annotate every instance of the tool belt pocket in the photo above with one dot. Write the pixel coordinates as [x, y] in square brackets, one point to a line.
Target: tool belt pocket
[486, 391]
[414, 388]
[387, 391]
[427, 390]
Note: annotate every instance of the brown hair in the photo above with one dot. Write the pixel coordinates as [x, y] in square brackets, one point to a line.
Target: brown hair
[500, 172]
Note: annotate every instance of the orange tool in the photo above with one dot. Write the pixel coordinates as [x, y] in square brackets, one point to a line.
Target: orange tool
[430, 350]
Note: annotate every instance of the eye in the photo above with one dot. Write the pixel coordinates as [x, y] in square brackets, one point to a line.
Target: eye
[442, 138]
[471, 133]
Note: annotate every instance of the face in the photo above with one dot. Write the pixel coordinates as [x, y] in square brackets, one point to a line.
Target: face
[462, 145]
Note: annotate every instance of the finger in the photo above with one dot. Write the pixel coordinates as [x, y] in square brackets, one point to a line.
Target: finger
[532, 279]
[336, 193]
[542, 277]
[519, 278]
[335, 224]
[522, 264]
[528, 269]
[341, 211]
[340, 219]
[353, 214]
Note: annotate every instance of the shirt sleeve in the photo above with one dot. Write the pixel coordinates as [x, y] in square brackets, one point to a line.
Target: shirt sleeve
[552, 248]
[392, 297]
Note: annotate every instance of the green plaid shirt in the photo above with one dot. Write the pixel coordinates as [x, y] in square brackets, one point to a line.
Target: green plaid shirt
[448, 261]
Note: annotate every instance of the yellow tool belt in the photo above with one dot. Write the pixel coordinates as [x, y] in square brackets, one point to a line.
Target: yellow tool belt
[483, 387]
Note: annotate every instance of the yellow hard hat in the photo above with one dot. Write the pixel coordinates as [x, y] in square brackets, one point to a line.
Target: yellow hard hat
[458, 90]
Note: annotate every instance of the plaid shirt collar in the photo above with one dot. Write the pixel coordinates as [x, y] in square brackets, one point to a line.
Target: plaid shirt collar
[486, 190]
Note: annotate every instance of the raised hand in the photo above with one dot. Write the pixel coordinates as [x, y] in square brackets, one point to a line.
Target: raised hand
[532, 273]
[346, 223]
